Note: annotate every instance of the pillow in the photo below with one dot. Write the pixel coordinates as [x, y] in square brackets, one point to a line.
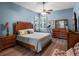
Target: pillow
[76, 49]
[30, 30]
[22, 32]
[25, 31]
[70, 52]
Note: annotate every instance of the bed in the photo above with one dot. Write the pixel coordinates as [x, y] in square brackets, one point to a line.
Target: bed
[35, 41]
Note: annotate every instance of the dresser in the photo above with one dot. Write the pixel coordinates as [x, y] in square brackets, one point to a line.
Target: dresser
[7, 41]
[73, 38]
[60, 33]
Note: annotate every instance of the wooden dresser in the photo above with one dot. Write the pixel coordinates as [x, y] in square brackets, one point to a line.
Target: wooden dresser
[60, 33]
[7, 41]
[73, 38]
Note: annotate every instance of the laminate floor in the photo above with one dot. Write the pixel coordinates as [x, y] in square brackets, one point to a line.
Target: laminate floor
[21, 51]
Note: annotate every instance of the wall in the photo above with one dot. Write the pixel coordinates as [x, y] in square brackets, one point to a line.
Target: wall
[0, 30]
[76, 9]
[10, 12]
[62, 14]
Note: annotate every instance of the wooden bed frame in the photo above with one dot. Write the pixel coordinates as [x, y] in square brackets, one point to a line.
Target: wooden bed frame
[25, 25]
[19, 26]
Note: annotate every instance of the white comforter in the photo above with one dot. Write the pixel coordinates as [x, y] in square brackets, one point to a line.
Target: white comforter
[38, 39]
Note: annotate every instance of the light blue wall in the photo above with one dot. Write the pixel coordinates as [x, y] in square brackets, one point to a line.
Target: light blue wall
[10, 12]
[76, 9]
[62, 14]
[0, 30]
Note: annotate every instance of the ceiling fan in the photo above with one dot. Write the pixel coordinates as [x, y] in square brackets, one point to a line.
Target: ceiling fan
[46, 11]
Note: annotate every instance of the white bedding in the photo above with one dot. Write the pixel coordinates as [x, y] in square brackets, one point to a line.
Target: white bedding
[36, 35]
[38, 39]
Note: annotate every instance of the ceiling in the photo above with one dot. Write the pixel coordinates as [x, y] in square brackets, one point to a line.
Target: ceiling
[38, 6]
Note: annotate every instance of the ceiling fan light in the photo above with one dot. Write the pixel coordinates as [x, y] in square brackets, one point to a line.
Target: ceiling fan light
[43, 13]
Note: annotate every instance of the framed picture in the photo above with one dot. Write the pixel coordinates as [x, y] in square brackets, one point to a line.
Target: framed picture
[51, 22]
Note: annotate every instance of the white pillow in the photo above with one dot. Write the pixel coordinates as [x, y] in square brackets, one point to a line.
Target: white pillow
[25, 31]
[22, 32]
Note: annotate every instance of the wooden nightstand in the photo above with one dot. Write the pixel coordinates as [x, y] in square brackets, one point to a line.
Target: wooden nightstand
[7, 41]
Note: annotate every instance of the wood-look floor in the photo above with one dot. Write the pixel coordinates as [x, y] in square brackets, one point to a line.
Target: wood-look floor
[20, 51]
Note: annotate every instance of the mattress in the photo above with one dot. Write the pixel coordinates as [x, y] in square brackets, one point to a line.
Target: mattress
[38, 39]
[35, 35]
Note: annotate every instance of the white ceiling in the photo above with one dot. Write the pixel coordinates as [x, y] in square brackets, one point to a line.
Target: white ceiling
[37, 6]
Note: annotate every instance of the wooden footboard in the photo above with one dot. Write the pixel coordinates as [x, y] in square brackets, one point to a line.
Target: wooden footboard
[25, 45]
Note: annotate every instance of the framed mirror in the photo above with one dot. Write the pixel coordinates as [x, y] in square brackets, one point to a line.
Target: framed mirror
[63, 23]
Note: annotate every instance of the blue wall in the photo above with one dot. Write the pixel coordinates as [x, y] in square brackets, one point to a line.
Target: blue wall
[10, 12]
[0, 30]
[76, 9]
[62, 14]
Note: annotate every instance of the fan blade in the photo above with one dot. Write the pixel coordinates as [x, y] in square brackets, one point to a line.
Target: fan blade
[50, 10]
[44, 10]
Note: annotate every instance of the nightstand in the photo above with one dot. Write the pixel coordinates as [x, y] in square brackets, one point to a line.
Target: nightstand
[7, 41]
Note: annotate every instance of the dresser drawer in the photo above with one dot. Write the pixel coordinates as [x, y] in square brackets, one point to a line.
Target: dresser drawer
[73, 38]
[7, 41]
[1, 47]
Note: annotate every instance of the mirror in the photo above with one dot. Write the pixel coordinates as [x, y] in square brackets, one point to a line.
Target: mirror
[61, 23]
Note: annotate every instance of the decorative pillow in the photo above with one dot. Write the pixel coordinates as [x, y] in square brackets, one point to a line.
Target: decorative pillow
[76, 49]
[70, 52]
[30, 30]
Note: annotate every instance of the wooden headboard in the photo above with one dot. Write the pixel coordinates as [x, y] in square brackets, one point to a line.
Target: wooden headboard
[21, 25]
